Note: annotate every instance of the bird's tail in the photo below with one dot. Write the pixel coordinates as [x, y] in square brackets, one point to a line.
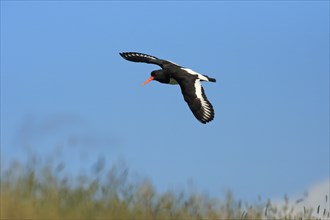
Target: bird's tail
[211, 79]
[206, 78]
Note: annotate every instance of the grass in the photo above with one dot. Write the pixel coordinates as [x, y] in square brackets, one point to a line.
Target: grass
[45, 192]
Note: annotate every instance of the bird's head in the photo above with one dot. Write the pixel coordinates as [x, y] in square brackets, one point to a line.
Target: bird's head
[159, 76]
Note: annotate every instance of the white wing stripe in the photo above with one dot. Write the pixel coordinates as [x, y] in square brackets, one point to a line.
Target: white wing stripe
[205, 107]
[198, 89]
[141, 55]
[200, 76]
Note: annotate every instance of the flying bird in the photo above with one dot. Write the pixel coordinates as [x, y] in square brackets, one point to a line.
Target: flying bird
[188, 80]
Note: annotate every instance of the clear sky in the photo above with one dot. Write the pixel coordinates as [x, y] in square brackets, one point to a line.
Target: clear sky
[67, 94]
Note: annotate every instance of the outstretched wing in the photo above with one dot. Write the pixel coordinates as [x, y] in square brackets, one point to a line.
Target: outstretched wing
[197, 101]
[145, 58]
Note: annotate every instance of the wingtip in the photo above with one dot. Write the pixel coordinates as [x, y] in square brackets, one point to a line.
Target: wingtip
[123, 54]
[126, 54]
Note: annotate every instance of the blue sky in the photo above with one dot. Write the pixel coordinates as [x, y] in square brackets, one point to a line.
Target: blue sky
[68, 95]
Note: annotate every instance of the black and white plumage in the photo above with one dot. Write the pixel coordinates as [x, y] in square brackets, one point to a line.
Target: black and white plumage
[189, 81]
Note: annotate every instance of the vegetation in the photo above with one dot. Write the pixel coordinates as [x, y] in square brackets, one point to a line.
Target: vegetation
[34, 191]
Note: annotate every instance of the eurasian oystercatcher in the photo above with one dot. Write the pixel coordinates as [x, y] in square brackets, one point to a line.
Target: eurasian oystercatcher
[188, 80]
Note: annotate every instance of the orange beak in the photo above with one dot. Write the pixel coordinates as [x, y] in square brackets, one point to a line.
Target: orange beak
[148, 80]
